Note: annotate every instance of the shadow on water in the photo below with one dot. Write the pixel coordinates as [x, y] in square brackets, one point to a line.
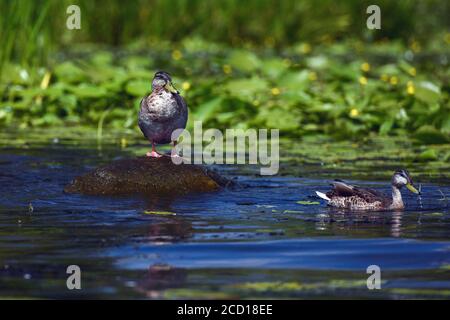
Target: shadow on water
[270, 237]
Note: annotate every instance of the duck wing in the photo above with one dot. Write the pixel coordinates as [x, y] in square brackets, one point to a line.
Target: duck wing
[373, 192]
[181, 103]
[182, 112]
[342, 189]
[371, 195]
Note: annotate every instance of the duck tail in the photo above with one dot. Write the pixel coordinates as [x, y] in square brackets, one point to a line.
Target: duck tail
[322, 195]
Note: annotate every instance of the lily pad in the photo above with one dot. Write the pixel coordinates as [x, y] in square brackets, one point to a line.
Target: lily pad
[138, 88]
[208, 109]
[428, 92]
[245, 61]
[308, 203]
[430, 135]
[246, 87]
[428, 155]
[161, 213]
[89, 91]
[68, 72]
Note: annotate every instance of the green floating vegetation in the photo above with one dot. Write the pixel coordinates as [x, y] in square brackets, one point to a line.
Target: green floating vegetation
[427, 155]
[295, 286]
[308, 203]
[374, 158]
[435, 214]
[421, 292]
[270, 286]
[295, 69]
[281, 289]
[324, 91]
[293, 211]
[194, 294]
[161, 213]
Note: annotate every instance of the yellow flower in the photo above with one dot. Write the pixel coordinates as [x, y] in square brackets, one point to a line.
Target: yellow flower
[275, 91]
[363, 80]
[365, 67]
[410, 88]
[412, 71]
[384, 77]
[123, 143]
[394, 80]
[312, 76]
[305, 48]
[177, 55]
[227, 69]
[354, 113]
[186, 86]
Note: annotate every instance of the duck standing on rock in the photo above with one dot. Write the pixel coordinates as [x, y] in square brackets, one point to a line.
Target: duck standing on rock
[350, 197]
[162, 112]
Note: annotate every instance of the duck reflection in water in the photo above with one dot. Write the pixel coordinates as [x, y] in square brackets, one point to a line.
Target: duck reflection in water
[340, 222]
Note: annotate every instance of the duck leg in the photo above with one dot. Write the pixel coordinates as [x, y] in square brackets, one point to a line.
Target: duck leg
[153, 154]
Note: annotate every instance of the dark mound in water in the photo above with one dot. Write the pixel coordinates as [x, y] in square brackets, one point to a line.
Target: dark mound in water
[158, 176]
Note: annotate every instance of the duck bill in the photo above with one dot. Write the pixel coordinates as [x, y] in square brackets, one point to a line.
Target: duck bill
[169, 87]
[412, 189]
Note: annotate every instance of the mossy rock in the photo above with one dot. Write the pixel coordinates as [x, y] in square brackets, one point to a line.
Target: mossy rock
[145, 175]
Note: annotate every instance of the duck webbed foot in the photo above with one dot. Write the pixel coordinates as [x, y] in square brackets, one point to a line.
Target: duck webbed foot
[153, 154]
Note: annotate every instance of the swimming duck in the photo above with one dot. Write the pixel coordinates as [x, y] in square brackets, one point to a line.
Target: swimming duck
[162, 112]
[350, 197]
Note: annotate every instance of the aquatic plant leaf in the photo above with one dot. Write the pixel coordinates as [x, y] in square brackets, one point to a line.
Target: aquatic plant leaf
[135, 62]
[68, 72]
[246, 88]
[307, 203]
[245, 61]
[102, 58]
[427, 92]
[386, 126]
[293, 211]
[317, 62]
[295, 80]
[277, 286]
[162, 213]
[430, 135]
[138, 88]
[88, 91]
[279, 119]
[273, 68]
[428, 155]
[207, 110]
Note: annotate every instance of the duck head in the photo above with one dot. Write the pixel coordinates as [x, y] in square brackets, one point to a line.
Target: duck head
[402, 178]
[163, 80]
